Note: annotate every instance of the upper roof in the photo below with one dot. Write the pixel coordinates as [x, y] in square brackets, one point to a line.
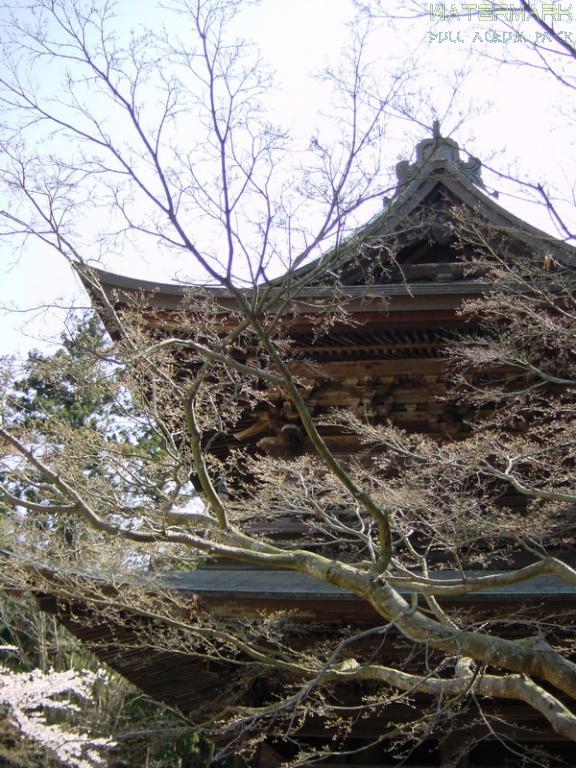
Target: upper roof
[419, 222]
[406, 250]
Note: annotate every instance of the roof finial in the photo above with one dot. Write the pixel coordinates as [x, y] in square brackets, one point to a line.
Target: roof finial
[436, 153]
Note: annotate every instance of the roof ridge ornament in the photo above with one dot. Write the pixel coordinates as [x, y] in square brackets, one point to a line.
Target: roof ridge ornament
[436, 153]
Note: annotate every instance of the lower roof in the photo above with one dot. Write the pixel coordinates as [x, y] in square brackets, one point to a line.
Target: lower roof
[260, 584]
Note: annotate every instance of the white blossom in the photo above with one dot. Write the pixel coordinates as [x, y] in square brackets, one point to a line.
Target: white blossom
[29, 696]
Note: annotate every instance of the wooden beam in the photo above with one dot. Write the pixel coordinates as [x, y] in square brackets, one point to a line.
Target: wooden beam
[262, 424]
[318, 349]
[343, 369]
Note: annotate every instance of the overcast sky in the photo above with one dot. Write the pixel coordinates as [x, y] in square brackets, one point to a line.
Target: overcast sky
[516, 120]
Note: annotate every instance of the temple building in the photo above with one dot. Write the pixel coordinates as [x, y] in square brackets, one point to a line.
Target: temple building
[399, 282]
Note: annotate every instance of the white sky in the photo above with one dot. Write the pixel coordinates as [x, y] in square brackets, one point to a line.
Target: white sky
[516, 121]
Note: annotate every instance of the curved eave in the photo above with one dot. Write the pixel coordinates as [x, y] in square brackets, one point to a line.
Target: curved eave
[414, 195]
[120, 289]
[168, 307]
[123, 288]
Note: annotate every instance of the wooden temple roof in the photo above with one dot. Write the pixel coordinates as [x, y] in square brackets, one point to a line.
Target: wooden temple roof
[390, 362]
[385, 355]
[419, 216]
[183, 679]
[231, 584]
